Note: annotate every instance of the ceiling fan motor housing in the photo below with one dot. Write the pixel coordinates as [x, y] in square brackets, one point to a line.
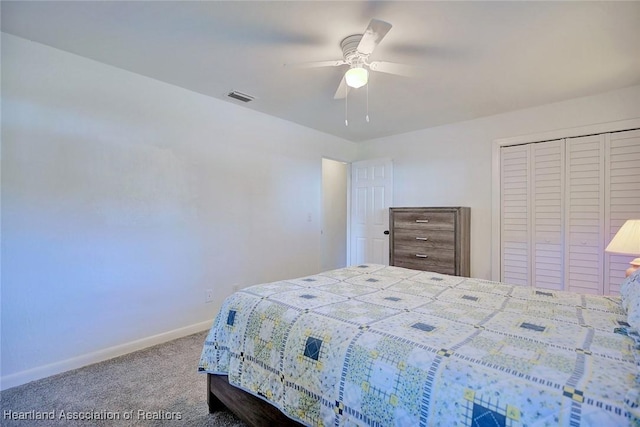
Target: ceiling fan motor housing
[350, 52]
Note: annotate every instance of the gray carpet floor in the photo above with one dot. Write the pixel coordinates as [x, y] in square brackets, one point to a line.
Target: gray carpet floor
[157, 386]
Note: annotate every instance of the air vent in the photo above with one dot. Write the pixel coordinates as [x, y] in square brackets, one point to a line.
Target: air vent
[240, 96]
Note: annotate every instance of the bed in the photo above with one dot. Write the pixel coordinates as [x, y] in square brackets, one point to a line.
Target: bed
[386, 346]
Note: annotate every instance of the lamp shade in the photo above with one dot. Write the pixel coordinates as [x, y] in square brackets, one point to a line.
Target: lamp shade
[356, 77]
[627, 239]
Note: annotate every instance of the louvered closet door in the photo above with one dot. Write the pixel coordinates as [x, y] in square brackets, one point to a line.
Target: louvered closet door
[623, 186]
[515, 231]
[547, 194]
[584, 221]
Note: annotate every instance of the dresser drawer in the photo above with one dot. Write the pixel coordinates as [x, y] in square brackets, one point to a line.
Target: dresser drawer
[442, 257]
[439, 262]
[424, 238]
[424, 220]
[418, 265]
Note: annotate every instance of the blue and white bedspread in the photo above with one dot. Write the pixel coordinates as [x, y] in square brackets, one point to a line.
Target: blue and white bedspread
[383, 346]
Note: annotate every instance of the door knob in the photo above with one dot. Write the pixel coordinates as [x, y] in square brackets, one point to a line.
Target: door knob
[386, 231]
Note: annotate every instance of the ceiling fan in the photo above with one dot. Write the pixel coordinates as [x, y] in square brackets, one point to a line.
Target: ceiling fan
[356, 50]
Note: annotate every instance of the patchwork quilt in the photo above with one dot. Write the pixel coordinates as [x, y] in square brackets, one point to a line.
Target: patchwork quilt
[386, 346]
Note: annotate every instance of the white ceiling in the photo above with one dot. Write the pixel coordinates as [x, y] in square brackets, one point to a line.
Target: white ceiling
[475, 58]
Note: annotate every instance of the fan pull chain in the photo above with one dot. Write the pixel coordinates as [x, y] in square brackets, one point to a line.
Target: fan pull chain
[367, 116]
[346, 105]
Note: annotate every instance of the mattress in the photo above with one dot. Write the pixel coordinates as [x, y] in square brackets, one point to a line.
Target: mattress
[386, 346]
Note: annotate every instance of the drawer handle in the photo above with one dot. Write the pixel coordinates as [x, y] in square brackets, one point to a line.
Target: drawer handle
[421, 256]
[422, 220]
[424, 239]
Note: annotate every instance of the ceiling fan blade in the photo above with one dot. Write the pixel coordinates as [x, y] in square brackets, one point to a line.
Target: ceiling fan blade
[374, 33]
[394, 68]
[341, 93]
[317, 64]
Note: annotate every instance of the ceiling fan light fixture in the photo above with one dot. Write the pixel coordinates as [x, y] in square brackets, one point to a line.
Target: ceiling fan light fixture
[356, 77]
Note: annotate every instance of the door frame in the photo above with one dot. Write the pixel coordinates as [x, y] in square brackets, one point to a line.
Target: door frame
[349, 166]
[346, 212]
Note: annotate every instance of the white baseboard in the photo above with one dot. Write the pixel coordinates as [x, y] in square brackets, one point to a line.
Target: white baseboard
[39, 372]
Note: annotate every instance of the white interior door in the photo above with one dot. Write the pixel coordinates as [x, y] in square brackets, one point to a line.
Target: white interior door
[371, 198]
[515, 208]
[584, 214]
[622, 185]
[547, 214]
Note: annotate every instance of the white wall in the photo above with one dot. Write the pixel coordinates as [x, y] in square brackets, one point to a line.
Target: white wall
[125, 198]
[451, 165]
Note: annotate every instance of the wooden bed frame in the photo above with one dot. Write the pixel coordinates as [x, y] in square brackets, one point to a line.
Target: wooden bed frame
[249, 408]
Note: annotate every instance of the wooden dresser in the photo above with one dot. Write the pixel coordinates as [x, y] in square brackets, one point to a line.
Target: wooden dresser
[430, 239]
